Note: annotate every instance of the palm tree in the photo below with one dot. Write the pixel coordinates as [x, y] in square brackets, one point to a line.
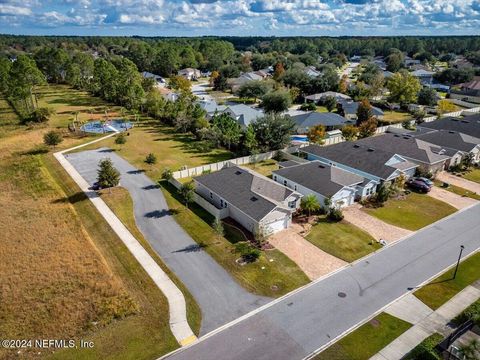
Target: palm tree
[310, 204]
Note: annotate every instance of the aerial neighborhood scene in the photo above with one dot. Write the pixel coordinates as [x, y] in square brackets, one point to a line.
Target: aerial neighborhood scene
[240, 179]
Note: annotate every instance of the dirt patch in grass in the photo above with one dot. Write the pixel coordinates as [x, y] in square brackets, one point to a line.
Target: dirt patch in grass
[443, 288]
[367, 340]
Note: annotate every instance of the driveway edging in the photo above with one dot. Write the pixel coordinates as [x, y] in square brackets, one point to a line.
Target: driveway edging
[176, 301]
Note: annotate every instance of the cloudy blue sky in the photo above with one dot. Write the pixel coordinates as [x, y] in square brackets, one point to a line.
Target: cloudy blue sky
[240, 17]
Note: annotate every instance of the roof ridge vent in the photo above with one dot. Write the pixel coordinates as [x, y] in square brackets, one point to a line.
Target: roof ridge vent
[370, 149]
[451, 132]
[356, 146]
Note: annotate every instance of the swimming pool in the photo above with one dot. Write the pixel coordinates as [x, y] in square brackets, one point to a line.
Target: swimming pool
[100, 127]
[299, 138]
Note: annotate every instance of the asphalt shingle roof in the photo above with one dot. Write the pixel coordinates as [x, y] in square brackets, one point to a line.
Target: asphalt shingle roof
[369, 160]
[314, 118]
[469, 125]
[252, 194]
[321, 178]
[351, 107]
[405, 145]
[451, 139]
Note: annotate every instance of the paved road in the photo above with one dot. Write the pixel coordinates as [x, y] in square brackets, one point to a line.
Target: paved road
[220, 298]
[309, 319]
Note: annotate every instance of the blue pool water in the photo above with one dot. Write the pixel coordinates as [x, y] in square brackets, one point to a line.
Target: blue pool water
[98, 127]
[299, 138]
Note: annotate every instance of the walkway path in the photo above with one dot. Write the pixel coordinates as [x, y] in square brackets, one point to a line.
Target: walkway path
[427, 321]
[458, 181]
[220, 298]
[313, 261]
[375, 227]
[176, 301]
[451, 198]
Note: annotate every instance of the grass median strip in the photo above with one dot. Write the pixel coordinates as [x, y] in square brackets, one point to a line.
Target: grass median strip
[273, 274]
[413, 212]
[443, 288]
[367, 340]
[458, 190]
[342, 239]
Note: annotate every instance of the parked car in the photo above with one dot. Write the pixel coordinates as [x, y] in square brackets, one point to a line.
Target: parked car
[425, 180]
[418, 185]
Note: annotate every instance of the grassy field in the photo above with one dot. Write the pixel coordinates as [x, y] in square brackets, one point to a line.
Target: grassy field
[64, 273]
[473, 175]
[443, 288]
[458, 190]
[264, 167]
[341, 239]
[272, 275]
[119, 200]
[367, 340]
[393, 117]
[173, 150]
[413, 213]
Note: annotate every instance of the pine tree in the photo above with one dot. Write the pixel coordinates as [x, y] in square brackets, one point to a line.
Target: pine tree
[108, 176]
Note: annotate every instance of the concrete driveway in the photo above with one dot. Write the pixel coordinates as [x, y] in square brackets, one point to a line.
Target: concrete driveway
[451, 198]
[313, 261]
[458, 181]
[219, 296]
[375, 227]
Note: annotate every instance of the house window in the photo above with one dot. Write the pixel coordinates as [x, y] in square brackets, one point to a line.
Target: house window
[285, 182]
[211, 195]
[295, 187]
[275, 177]
[226, 205]
[292, 204]
[221, 203]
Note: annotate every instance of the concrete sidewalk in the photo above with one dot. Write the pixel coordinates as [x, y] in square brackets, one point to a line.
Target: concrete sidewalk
[176, 301]
[427, 321]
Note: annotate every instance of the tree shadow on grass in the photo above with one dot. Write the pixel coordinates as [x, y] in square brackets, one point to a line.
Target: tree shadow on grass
[72, 199]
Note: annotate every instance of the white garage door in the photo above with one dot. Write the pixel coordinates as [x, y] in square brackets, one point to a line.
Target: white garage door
[276, 226]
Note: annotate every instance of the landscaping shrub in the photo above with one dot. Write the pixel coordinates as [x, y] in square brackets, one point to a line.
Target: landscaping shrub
[308, 107]
[151, 159]
[120, 139]
[248, 252]
[470, 313]
[167, 174]
[426, 349]
[335, 215]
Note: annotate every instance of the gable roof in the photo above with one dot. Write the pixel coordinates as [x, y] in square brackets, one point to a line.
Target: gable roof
[468, 125]
[451, 139]
[363, 158]
[313, 118]
[322, 178]
[211, 106]
[244, 114]
[351, 107]
[407, 146]
[254, 195]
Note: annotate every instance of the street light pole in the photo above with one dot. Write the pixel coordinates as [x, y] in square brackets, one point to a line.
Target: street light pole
[458, 261]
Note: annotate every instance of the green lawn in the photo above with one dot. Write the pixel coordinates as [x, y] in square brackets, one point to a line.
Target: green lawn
[396, 116]
[173, 150]
[443, 288]
[367, 340]
[120, 202]
[342, 239]
[279, 275]
[458, 190]
[473, 175]
[413, 213]
[232, 234]
[264, 167]
[145, 335]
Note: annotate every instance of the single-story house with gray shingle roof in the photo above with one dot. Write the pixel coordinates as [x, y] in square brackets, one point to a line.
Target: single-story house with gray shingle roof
[243, 114]
[376, 165]
[454, 140]
[322, 180]
[429, 157]
[254, 201]
[322, 96]
[331, 121]
[211, 107]
[468, 125]
[349, 110]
